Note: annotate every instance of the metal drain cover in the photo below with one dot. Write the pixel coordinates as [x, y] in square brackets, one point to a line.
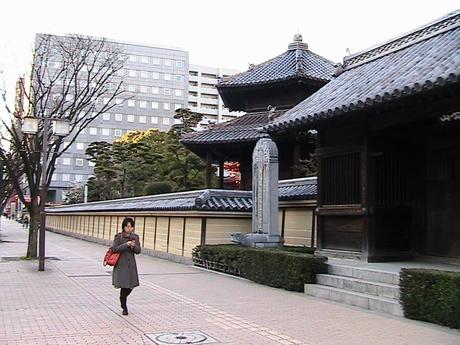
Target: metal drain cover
[189, 337]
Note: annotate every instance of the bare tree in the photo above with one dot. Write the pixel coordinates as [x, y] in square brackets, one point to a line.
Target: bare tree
[75, 78]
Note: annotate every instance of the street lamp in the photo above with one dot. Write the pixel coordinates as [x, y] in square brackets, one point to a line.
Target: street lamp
[60, 128]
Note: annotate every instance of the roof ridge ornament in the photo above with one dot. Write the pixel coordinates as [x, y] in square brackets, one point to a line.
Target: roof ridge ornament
[298, 43]
[271, 113]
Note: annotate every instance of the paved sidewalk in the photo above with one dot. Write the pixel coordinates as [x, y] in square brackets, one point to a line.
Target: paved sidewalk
[73, 302]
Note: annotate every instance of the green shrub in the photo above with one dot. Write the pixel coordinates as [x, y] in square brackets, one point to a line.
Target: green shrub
[282, 268]
[158, 188]
[431, 295]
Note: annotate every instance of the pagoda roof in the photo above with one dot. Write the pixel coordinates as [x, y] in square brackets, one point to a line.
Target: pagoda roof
[414, 63]
[242, 129]
[298, 62]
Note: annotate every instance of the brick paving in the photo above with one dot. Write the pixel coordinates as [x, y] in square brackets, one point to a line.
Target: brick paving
[73, 302]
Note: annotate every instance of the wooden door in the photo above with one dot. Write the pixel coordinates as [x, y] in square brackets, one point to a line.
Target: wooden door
[443, 202]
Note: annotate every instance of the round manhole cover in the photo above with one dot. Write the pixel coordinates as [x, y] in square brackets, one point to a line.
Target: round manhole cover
[182, 338]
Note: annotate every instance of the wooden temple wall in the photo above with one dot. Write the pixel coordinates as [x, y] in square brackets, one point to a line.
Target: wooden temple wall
[173, 235]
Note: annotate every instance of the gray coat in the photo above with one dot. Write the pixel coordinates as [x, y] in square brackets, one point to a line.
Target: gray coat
[124, 273]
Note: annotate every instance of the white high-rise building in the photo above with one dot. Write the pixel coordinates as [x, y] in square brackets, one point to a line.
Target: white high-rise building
[203, 97]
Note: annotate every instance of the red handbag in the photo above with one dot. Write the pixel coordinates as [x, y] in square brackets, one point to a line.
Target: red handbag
[111, 257]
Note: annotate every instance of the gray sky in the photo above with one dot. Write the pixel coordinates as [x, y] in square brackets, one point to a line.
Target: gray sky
[227, 34]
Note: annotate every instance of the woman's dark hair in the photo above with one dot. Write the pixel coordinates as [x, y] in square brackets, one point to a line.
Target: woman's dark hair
[127, 221]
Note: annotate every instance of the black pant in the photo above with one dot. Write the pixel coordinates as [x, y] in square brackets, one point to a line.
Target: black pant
[124, 293]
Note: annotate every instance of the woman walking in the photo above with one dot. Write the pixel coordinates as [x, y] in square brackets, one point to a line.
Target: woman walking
[124, 275]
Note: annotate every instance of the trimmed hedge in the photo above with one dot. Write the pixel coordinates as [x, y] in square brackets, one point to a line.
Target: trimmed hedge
[431, 295]
[288, 268]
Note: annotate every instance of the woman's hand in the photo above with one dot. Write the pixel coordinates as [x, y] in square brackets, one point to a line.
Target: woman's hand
[131, 244]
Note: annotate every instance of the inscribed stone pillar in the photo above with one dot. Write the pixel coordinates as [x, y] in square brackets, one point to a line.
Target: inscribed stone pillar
[265, 188]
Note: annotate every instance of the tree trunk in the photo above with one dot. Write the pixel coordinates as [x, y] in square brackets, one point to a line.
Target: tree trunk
[33, 230]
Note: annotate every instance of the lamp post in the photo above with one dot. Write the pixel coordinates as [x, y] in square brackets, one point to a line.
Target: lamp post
[60, 128]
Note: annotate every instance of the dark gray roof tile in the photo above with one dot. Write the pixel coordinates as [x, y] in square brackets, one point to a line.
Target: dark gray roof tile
[201, 200]
[422, 60]
[241, 129]
[296, 62]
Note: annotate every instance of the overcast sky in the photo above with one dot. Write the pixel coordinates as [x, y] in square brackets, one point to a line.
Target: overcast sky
[228, 34]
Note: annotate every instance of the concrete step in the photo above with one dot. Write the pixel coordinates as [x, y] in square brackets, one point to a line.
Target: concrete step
[364, 274]
[375, 303]
[359, 285]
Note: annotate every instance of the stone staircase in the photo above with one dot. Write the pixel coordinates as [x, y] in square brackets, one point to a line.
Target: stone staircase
[363, 287]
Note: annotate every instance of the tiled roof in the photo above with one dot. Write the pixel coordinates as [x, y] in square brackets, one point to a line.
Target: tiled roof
[296, 62]
[424, 59]
[298, 189]
[201, 200]
[241, 129]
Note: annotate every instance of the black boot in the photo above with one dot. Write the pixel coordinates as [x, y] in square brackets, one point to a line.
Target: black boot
[125, 311]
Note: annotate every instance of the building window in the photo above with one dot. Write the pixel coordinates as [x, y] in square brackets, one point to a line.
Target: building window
[166, 120]
[117, 132]
[167, 76]
[193, 83]
[155, 75]
[154, 119]
[130, 118]
[177, 121]
[142, 104]
[66, 161]
[131, 103]
[166, 106]
[167, 91]
[132, 88]
[193, 93]
[142, 119]
[155, 90]
[155, 61]
[65, 177]
[154, 105]
[54, 177]
[208, 75]
[179, 77]
[79, 162]
[80, 146]
[177, 106]
[144, 74]
[193, 104]
[105, 131]
[106, 116]
[132, 73]
[106, 100]
[178, 93]
[144, 59]
[118, 101]
[168, 62]
[78, 178]
[68, 97]
[143, 89]
[132, 58]
[179, 64]
[91, 164]
[207, 86]
[193, 73]
[121, 72]
[118, 117]
[93, 131]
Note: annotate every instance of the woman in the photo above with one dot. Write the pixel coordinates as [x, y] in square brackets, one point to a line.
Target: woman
[124, 275]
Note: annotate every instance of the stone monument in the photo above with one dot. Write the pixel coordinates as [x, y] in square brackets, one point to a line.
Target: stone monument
[265, 232]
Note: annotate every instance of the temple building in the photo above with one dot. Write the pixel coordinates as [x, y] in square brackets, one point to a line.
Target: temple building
[264, 92]
[389, 148]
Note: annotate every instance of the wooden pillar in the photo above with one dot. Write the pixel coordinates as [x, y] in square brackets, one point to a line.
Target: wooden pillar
[221, 174]
[208, 170]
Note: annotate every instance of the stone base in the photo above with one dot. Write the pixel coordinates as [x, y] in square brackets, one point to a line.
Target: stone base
[258, 240]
